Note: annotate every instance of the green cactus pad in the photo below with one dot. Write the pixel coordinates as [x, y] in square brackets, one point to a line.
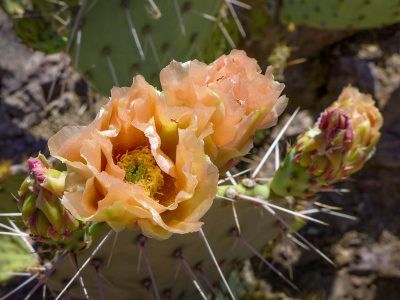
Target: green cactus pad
[106, 37]
[341, 14]
[15, 256]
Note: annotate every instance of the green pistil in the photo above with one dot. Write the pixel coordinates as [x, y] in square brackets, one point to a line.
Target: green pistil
[135, 172]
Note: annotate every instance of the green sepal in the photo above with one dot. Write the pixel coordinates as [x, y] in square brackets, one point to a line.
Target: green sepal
[29, 206]
[55, 181]
[48, 203]
[70, 222]
[25, 185]
[32, 224]
[42, 224]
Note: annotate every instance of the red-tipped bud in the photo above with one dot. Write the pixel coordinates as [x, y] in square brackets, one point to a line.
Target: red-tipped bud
[339, 144]
[39, 201]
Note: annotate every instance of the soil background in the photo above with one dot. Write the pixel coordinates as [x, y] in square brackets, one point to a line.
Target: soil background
[366, 251]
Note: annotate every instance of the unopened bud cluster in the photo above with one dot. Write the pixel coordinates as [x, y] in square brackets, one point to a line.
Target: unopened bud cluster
[39, 201]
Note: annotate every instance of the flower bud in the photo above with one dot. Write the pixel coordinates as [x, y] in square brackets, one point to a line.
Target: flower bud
[39, 201]
[29, 206]
[322, 148]
[366, 121]
[339, 144]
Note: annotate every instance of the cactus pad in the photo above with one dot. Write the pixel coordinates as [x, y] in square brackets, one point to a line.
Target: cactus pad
[107, 37]
[341, 14]
[15, 256]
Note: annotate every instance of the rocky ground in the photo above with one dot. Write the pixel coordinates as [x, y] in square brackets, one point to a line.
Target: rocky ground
[366, 251]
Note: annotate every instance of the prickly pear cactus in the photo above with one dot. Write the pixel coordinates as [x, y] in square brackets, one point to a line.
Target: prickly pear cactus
[341, 14]
[39, 203]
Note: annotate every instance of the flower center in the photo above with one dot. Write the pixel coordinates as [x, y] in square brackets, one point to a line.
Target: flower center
[140, 168]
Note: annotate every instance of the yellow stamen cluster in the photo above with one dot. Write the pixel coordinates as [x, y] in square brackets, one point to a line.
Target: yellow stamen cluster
[140, 168]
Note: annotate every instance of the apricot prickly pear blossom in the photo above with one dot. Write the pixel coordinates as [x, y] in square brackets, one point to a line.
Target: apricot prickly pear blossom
[40, 204]
[340, 143]
[241, 100]
[140, 163]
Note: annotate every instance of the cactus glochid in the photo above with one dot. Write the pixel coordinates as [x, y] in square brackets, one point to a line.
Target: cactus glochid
[155, 161]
